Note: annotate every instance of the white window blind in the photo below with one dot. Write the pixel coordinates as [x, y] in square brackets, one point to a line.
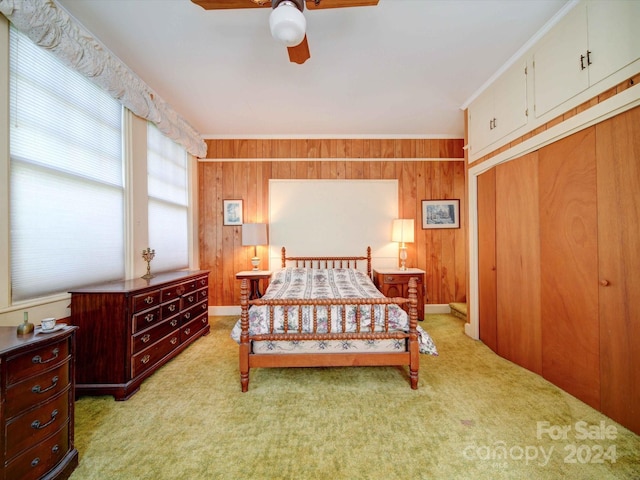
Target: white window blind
[66, 176]
[168, 201]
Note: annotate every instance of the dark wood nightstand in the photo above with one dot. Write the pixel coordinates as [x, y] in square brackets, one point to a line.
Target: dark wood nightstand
[393, 282]
[254, 277]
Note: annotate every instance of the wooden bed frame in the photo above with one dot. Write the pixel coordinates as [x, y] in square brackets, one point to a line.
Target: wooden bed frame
[409, 357]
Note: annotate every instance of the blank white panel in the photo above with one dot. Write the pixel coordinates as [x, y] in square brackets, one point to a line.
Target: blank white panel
[333, 218]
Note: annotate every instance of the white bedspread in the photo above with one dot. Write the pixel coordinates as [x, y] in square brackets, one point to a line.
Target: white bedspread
[306, 283]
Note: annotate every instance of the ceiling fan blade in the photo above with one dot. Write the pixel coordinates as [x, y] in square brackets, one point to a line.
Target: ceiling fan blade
[231, 4]
[300, 53]
[317, 5]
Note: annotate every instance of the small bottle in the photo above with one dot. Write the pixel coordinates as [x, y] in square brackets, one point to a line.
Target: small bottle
[25, 328]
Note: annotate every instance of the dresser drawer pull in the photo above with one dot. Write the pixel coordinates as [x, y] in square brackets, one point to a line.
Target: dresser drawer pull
[187, 315]
[203, 282]
[35, 462]
[145, 359]
[174, 340]
[146, 338]
[190, 298]
[172, 308]
[39, 426]
[174, 322]
[148, 300]
[203, 306]
[38, 358]
[149, 317]
[55, 449]
[204, 320]
[39, 389]
[187, 331]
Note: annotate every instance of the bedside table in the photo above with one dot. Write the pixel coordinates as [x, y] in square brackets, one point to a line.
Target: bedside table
[254, 277]
[393, 282]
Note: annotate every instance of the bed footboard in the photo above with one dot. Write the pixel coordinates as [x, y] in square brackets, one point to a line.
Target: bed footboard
[410, 356]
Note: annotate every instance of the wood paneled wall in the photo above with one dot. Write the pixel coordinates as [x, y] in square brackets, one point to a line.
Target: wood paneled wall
[241, 169]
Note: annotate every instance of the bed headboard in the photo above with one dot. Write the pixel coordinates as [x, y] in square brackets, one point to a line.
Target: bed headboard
[327, 262]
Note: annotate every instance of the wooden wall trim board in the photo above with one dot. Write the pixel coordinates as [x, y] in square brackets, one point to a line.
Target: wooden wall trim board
[424, 169]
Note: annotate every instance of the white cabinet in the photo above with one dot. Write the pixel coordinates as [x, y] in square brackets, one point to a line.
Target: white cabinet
[594, 40]
[500, 110]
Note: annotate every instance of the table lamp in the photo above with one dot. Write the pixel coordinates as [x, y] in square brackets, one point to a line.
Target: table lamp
[402, 232]
[254, 234]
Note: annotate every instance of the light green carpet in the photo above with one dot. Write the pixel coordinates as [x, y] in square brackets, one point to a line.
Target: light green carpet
[474, 416]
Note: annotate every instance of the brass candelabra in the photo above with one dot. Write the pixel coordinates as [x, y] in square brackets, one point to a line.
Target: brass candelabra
[148, 255]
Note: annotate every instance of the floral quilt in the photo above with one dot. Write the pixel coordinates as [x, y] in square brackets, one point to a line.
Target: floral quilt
[306, 283]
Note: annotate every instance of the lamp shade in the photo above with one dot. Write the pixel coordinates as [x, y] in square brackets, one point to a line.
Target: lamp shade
[254, 234]
[287, 24]
[402, 231]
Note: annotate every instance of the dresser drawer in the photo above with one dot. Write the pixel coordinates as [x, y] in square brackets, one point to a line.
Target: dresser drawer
[150, 336]
[36, 361]
[147, 358]
[193, 312]
[37, 389]
[37, 424]
[146, 319]
[174, 291]
[147, 300]
[171, 308]
[41, 458]
[193, 327]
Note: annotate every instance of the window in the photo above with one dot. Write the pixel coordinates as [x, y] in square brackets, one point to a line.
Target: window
[66, 176]
[168, 201]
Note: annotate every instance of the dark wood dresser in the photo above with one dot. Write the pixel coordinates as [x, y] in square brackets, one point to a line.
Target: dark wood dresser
[37, 408]
[129, 328]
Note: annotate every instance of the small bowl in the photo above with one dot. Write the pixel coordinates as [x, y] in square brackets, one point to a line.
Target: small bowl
[48, 324]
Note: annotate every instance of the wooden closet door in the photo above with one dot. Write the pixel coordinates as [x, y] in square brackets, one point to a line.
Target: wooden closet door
[518, 262]
[569, 266]
[488, 302]
[617, 156]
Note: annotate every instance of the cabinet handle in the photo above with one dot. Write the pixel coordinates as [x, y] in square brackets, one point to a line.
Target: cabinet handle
[187, 315]
[149, 317]
[39, 426]
[172, 308]
[190, 298]
[148, 300]
[145, 338]
[38, 389]
[55, 449]
[174, 340]
[174, 322]
[145, 359]
[38, 358]
[588, 57]
[605, 283]
[187, 331]
[35, 462]
[495, 123]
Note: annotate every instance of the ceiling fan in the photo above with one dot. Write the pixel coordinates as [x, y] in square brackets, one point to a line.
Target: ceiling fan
[287, 23]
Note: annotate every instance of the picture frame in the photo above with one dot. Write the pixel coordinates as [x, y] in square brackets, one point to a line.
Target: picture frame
[232, 212]
[440, 214]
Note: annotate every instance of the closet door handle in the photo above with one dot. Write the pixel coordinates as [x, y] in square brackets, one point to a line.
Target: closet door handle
[588, 57]
[605, 282]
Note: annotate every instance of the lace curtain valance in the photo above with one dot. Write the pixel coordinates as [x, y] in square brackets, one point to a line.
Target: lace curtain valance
[50, 27]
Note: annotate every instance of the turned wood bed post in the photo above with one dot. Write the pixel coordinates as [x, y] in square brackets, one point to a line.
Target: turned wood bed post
[414, 349]
[245, 346]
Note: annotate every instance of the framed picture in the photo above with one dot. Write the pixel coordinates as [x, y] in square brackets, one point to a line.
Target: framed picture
[440, 214]
[232, 212]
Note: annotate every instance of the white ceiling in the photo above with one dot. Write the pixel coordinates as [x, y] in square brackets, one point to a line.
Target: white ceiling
[401, 69]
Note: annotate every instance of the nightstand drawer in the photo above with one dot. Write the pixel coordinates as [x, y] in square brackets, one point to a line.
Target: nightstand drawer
[404, 278]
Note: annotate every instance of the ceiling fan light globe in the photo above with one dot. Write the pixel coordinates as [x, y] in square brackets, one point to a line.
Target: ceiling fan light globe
[287, 24]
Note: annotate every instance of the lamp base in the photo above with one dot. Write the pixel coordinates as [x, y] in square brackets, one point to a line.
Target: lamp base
[255, 261]
[403, 257]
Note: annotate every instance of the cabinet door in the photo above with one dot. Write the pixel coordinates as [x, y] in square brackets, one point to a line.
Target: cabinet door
[617, 154]
[518, 262]
[569, 266]
[480, 121]
[510, 100]
[558, 72]
[614, 41]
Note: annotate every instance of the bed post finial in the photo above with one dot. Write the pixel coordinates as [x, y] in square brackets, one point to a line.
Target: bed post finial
[284, 257]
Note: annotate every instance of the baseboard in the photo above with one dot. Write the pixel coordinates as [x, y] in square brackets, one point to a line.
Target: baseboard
[235, 310]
